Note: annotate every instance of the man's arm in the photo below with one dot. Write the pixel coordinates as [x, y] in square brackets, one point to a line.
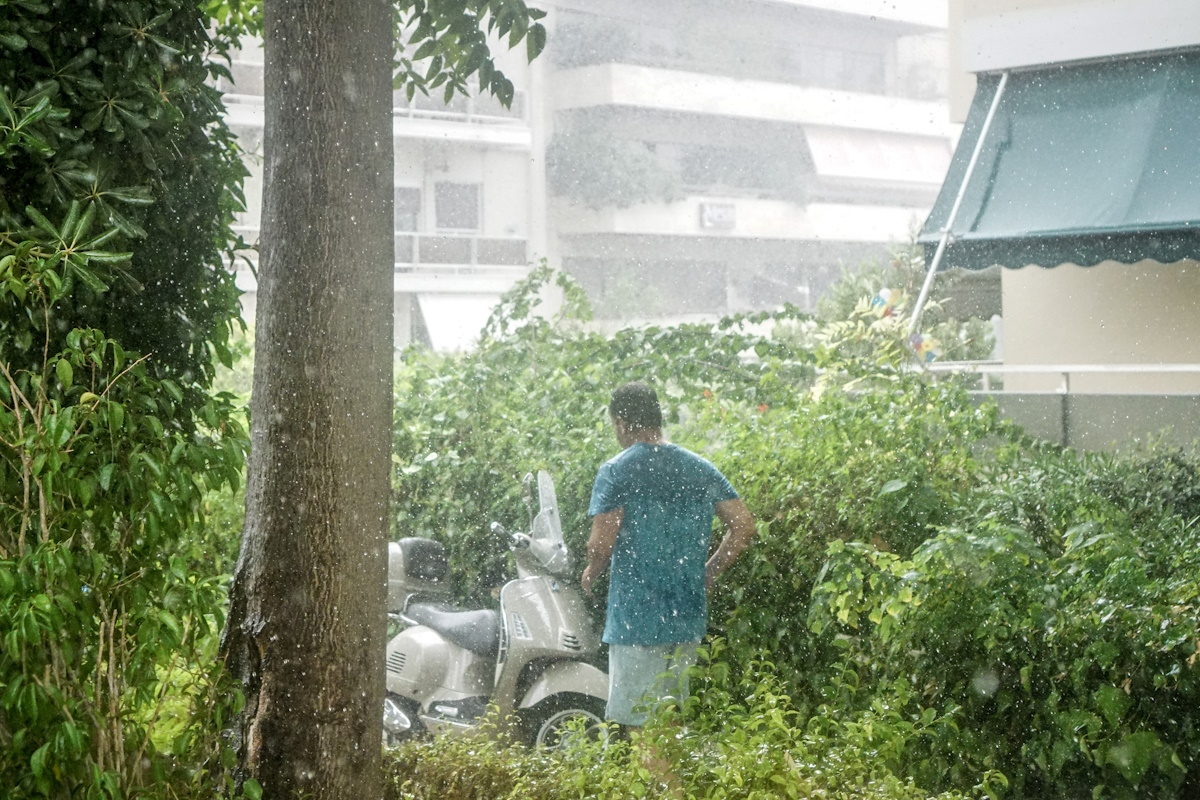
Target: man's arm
[605, 528]
[739, 530]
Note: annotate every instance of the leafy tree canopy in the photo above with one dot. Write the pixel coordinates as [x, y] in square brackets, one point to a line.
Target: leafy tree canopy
[112, 142]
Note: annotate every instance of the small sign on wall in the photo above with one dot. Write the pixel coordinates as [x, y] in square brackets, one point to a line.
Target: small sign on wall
[718, 216]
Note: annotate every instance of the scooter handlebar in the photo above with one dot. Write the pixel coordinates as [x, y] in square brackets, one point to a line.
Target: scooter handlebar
[517, 541]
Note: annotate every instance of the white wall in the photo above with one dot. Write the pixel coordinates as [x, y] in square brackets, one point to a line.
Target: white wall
[505, 188]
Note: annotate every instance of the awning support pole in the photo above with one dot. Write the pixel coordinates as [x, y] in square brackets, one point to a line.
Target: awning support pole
[962, 191]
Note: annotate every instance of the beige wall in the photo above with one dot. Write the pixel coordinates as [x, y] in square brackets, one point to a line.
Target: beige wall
[1144, 313]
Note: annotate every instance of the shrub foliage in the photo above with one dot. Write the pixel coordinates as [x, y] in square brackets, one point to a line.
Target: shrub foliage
[118, 184]
[939, 596]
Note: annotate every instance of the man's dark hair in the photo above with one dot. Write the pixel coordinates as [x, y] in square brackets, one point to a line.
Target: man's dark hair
[637, 404]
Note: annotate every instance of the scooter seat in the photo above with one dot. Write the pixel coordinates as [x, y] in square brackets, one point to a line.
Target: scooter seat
[477, 631]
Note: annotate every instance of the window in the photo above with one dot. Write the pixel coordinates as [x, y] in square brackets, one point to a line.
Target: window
[456, 206]
[407, 208]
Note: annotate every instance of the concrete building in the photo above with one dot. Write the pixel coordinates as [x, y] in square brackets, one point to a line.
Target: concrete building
[465, 200]
[682, 159]
[1087, 187]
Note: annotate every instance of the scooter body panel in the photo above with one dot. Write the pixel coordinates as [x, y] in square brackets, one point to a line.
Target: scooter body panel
[543, 618]
[451, 684]
[575, 677]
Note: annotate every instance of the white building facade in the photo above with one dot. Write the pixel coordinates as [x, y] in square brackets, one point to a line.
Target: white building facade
[681, 159]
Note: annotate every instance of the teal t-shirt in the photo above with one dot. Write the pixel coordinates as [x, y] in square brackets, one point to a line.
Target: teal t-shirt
[656, 591]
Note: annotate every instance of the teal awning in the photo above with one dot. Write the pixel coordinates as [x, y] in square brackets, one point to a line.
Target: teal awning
[1081, 164]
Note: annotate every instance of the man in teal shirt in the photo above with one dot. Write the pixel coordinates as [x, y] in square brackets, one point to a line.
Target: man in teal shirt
[652, 509]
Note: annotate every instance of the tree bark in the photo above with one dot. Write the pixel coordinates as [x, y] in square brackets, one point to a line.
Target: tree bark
[307, 619]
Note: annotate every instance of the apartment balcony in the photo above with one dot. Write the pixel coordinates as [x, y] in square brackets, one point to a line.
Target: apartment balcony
[654, 89]
[744, 218]
[437, 263]
[458, 263]
[478, 120]
[471, 121]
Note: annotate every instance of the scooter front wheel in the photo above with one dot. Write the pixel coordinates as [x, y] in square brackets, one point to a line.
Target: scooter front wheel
[558, 720]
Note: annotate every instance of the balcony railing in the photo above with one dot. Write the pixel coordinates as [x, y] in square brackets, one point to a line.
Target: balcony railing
[472, 110]
[484, 109]
[987, 370]
[446, 252]
[458, 251]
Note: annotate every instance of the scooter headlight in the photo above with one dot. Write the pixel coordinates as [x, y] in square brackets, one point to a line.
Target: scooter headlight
[395, 720]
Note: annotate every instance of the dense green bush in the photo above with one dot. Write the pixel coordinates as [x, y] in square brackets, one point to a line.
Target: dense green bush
[107, 609]
[738, 738]
[118, 186]
[957, 335]
[984, 612]
[111, 106]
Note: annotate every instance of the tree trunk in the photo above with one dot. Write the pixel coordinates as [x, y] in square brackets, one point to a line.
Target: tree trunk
[307, 620]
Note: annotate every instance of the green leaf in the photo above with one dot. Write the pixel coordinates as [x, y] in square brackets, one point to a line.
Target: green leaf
[62, 368]
[131, 195]
[13, 41]
[17, 287]
[535, 41]
[425, 50]
[251, 789]
[168, 620]
[37, 762]
[106, 475]
[83, 490]
[892, 486]
[89, 279]
[43, 223]
[105, 257]
[1113, 703]
[1134, 755]
[173, 389]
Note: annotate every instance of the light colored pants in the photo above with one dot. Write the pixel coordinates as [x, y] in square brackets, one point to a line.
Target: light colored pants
[640, 676]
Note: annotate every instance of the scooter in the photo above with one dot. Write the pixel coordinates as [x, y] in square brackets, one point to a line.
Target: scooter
[531, 659]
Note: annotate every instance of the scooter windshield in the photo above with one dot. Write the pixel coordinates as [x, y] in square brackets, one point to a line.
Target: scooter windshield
[546, 534]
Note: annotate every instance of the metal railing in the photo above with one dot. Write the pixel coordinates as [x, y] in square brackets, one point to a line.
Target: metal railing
[442, 250]
[468, 110]
[986, 369]
[447, 252]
